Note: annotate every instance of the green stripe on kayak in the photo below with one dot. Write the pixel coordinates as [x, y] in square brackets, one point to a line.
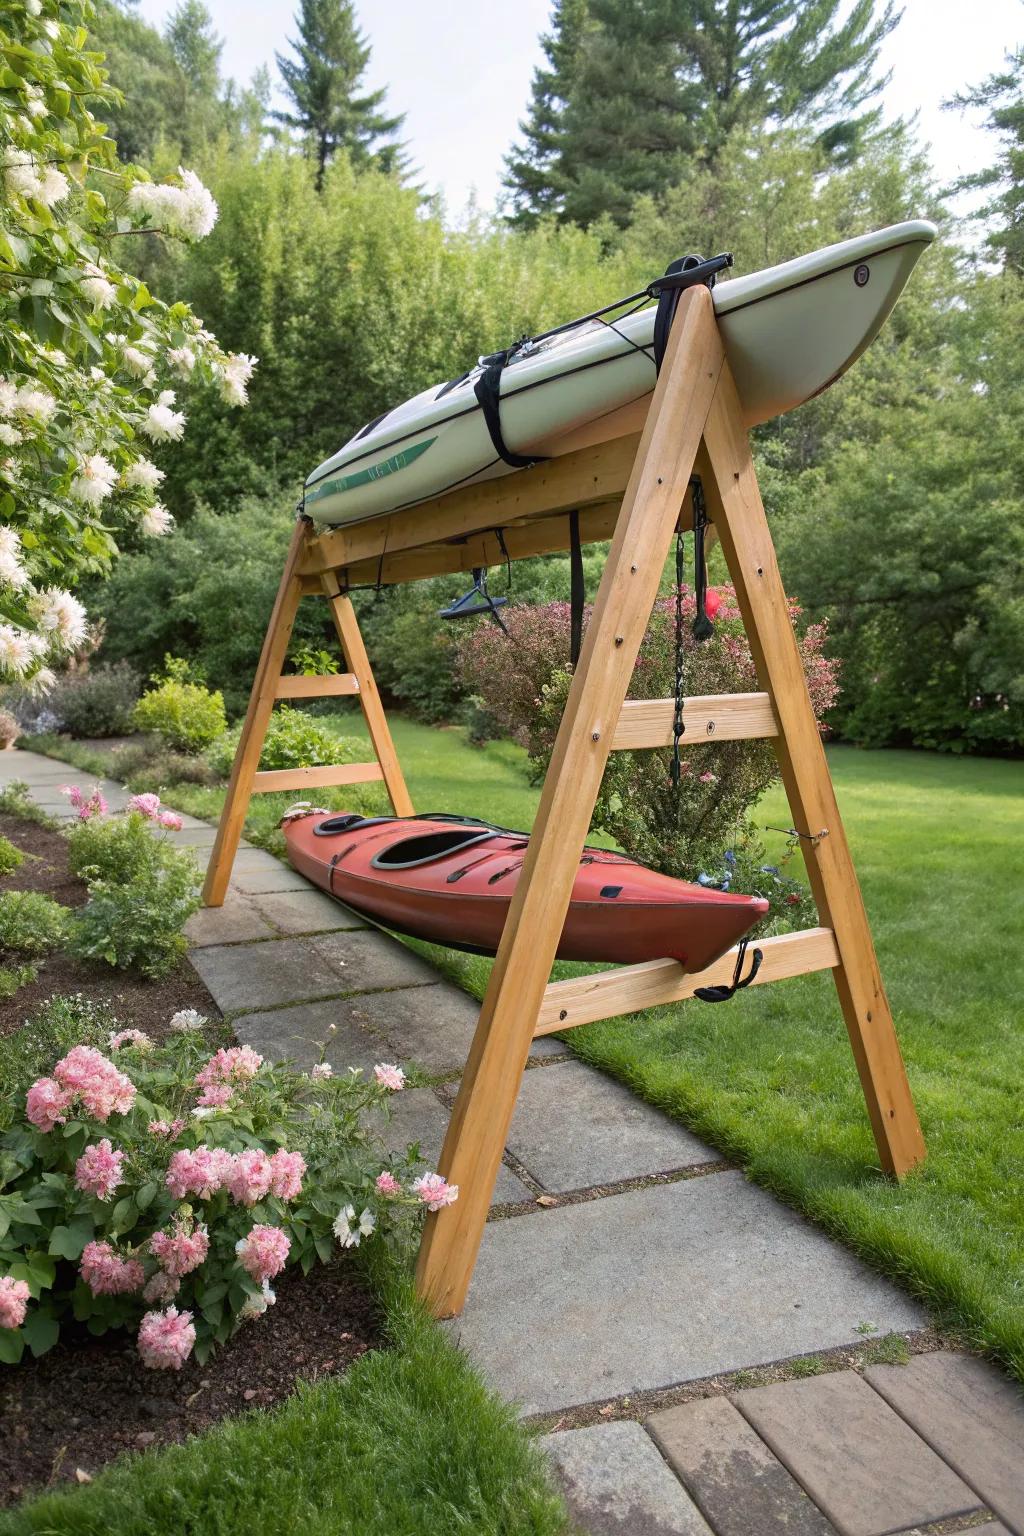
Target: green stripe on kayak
[375, 472]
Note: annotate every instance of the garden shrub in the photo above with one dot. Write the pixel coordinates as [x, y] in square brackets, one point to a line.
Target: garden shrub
[14, 977]
[185, 715]
[162, 1188]
[98, 702]
[31, 924]
[11, 858]
[15, 800]
[294, 739]
[142, 890]
[412, 650]
[684, 830]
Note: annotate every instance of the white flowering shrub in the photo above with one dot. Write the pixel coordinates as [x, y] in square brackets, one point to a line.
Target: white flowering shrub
[91, 364]
[163, 1188]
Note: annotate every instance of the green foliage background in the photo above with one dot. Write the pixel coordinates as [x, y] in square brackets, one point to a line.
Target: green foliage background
[896, 497]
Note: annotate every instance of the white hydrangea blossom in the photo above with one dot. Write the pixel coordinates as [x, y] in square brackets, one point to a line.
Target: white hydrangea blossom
[235, 374]
[95, 480]
[143, 476]
[156, 521]
[61, 616]
[161, 424]
[188, 211]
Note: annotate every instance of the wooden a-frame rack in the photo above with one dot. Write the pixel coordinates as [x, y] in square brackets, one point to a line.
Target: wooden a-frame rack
[634, 491]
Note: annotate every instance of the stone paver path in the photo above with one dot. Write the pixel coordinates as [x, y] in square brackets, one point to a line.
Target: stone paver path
[624, 1257]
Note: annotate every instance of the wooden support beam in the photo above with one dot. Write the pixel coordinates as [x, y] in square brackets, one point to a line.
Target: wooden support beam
[734, 504]
[346, 627]
[316, 778]
[607, 994]
[257, 717]
[490, 1083]
[594, 474]
[709, 718]
[330, 686]
[542, 536]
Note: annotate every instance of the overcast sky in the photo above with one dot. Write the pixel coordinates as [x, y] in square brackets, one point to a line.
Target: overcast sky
[460, 70]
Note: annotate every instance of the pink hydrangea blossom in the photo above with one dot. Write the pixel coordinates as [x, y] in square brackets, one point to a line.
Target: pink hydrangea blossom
[181, 1250]
[14, 1296]
[47, 1103]
[250, 1177]
[99, 1170]
[171, 821]
[98, 1085]
[435, 1192]
[133, 1037]
[322, 1071]
[106, 1273]
[201, 1172]
[236, 1065]
[389, 1076]
[161, 1287]
[264, 1253]
[95, 805]
[147, 805]
[216, 1096]
[708, 777]
[166, 1339]
[287, 1169]
[387, 1184]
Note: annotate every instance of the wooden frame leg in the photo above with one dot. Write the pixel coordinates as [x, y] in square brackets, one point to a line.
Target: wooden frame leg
[490, 1084]
[254, 728]
[734, 502]
[347, 628]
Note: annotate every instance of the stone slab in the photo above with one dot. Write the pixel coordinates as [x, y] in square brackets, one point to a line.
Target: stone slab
[658, 1286]
[574, 1127]
[370, 961]
[547, 1046]
[418, 1115]
[972, 1415]
[269, 974]
[430, 1025]
[307, 911]
[259, 878]
[616, 1484]
[189, 837]
[238, 921]
[858, 1460]
[303, 1035]
[734, 1478]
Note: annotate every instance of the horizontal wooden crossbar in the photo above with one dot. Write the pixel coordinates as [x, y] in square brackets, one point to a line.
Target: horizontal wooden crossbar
[317, 778]
[607, 994]
[711, 717]
[330, 685]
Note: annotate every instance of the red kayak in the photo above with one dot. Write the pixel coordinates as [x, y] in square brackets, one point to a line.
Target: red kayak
[450, 880]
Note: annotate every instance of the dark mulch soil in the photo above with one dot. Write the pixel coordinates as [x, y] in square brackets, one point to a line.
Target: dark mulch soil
[138, 1003]
[89, 1400]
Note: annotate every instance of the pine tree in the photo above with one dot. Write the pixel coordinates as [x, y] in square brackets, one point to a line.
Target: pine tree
[195, 46]
[1003, 95]
[322, 82]
[643, 86]
[532, 169]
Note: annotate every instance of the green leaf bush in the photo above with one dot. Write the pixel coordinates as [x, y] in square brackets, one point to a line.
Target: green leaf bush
[185, 716]
[162, 1188]
[97, 702]
[142, 891]
[11, 858]
[31, 924]
[294, 739]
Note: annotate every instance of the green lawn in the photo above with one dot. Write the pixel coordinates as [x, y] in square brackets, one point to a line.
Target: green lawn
[770, 1079]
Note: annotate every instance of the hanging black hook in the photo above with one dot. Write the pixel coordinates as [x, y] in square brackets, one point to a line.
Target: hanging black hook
[723, 994]
[703, 628]
[476, 601]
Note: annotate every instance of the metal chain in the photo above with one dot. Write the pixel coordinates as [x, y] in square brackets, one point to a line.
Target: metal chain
[678, 724]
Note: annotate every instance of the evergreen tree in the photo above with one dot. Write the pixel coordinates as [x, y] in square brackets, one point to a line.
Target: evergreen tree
[195, 46]
[322, 82]
[637, 88]
[1003, 95]
[531, 169]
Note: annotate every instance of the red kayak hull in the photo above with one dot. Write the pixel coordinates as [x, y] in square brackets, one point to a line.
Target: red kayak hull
[451, 882]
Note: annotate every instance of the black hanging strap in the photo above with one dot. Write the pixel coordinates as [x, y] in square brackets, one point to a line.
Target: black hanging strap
[686, 272]
[723, 994]
[703, 628]
[488, 392]
[678, 721]
[577, 591]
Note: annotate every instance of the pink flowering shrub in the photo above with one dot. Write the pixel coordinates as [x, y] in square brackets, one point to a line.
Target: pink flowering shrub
[701, 827]
[166, 1192]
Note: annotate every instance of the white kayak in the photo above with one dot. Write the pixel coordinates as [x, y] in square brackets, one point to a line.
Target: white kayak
[789, 332]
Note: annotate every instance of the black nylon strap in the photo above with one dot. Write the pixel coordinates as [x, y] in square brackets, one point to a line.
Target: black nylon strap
[577, 591]
[723, 994]
[488, 393]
